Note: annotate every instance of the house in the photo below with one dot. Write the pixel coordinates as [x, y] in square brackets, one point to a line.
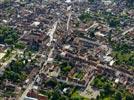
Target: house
[34, 95]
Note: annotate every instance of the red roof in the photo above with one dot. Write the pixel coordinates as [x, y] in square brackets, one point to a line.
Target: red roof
[42, 97]
[34, 94]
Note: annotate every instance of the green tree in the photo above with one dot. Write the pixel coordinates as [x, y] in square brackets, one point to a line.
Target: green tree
[118, 96]
[20, 45]
[129, 97]
[114, 22]
[130, 3]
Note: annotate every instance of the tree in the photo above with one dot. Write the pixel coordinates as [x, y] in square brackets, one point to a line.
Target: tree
[20, 45]
[67, 68]
[129, 97]
[51, 83]
[118, 96]
[85, 17]
[9, 41]
[15, 71]
[92, 35]
[8, 35]
[56, 95]
[114, 22]
[130, 3]
[63, 98]
[91, 1]
[1, 38]
[34, 45]
[110, 36]
[107, 89]
[8, 53]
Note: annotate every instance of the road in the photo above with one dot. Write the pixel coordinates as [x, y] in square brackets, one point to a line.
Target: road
[49, 56]
[22, 36]
[26, 91]
[94, 25]
[129, 30]
[69, 17]
[51, 32]
[29, 87]
[36, 77]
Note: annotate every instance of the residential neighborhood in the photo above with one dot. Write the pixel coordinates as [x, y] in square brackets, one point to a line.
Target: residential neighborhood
[66, 50]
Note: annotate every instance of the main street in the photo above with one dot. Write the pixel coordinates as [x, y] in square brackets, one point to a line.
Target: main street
[29, 87]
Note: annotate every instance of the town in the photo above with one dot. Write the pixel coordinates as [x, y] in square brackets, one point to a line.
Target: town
[66, 50]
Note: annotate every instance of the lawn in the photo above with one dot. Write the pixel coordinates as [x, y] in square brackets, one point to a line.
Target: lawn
[77, 96]
[79, 75]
